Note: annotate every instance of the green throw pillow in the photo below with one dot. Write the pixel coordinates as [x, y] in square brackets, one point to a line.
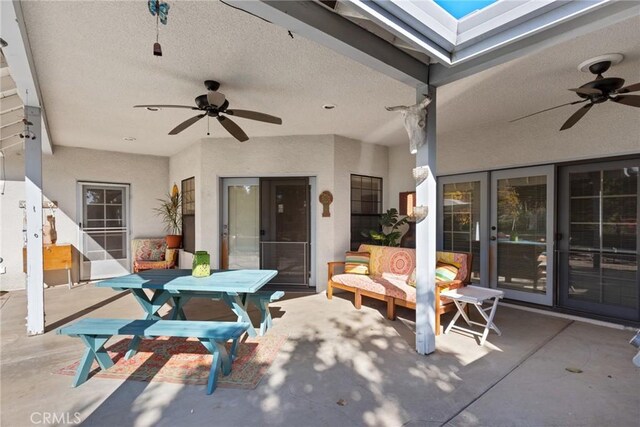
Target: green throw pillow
[411, 280]
[446, 272]
[357, 263]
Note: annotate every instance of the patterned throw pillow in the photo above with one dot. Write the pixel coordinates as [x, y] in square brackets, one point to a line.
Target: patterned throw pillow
[411, 280]
[356, 263]
[446, 272]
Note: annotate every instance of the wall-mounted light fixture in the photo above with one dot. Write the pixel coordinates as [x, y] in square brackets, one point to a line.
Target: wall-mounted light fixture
[420, 174]
[420, 213]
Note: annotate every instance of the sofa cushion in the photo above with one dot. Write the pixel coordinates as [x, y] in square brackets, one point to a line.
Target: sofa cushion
[386, 259]
[356, 263]
[389, 285]
[150, 265]
[411, 280]
[446, 272]
[460, 260]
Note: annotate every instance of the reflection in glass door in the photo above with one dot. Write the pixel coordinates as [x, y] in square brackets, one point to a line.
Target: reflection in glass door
[462, 219]
[522, 233]
[104, 229]
[241, 224]
[599, 252]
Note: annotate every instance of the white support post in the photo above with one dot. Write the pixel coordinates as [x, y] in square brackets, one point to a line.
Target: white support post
[426, 235]
[33, 190]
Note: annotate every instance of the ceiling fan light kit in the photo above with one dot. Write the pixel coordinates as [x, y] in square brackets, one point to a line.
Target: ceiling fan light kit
[216, 104]
[597, 91]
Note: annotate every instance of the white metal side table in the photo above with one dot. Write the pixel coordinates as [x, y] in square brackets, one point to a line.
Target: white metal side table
[476, 296]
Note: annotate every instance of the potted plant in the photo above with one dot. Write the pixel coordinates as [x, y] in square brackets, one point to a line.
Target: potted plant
[170, 211]
[389, 234]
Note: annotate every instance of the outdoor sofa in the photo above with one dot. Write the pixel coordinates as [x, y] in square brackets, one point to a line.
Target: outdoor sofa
[391, 278]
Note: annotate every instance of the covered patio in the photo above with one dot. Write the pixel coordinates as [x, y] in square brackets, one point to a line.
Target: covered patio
[482, 123]
[340, 367]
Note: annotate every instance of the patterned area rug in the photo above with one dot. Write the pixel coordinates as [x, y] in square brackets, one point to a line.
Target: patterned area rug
[186, 361]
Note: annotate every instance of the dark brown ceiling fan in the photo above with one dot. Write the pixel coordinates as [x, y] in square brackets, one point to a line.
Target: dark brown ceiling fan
[215, 104]
[600, 90]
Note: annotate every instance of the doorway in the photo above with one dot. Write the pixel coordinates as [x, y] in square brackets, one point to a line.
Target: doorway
[266, 224]
[598, 251]
[104, 230]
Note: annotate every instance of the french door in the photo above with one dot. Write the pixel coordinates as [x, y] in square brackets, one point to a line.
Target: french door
[598, 253]
[266, 224]
[522, 232]
[104, 230]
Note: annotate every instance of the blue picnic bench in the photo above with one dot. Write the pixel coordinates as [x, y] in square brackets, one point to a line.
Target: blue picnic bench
[95, 333]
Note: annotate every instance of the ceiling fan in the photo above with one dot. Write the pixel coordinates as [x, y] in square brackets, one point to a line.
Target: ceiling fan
[215, 104]
[600, 90]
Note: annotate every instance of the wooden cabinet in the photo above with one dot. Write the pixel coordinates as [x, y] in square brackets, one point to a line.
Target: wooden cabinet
[55, 257]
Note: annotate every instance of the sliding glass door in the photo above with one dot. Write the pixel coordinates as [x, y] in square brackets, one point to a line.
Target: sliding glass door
[598, 222]
[521, 235]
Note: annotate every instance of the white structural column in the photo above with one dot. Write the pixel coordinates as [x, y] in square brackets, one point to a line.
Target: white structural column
[33, 190]
[426, 235]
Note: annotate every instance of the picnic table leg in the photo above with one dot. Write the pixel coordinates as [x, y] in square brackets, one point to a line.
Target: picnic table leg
[151, 307]
[220, 360]
[94, 351]
[177, 313]
[239, 307]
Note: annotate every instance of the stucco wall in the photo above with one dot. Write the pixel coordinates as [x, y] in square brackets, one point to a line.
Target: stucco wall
[11, 236]
[146, 175]
[330, 159]
[609, 130]
[401, 164]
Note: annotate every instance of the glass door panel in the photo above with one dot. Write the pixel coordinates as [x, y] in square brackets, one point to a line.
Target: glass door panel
[104, 230]
[522, 233]
[241, 224]
[285, 229]
[599, 253]
[462, 203]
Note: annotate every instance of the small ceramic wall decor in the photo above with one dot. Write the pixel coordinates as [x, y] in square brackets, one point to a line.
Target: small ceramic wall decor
[326, 198]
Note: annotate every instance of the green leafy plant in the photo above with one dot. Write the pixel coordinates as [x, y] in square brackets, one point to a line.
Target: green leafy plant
[170, 211]
[390, 235]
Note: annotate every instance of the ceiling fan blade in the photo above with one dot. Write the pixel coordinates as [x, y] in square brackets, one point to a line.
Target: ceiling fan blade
[587, 91]
[630, 88]
[254, 115]
[632, 100]
[233, 128]
[182, 126]
[166, 106]
[215, 98]
[576, 116]
[548, 109]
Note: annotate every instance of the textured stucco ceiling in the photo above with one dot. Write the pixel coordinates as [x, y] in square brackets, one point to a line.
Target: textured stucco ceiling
[540, 80]
[94, 62]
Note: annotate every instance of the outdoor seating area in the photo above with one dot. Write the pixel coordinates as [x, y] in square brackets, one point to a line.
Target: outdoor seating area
[320, 213]
[337, 367]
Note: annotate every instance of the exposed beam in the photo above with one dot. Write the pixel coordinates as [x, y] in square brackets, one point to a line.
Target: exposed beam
[7, 132]
[10, 103]
[6, 83]
[20, 61]
[316, 23]
[10, 142]
[11, 117]
[596, 20]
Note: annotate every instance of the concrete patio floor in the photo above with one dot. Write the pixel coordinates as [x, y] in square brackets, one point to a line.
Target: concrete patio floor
[335, 353]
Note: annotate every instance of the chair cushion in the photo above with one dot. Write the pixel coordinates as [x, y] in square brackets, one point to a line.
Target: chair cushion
[150, 265]
[149, 249]
[356, 263]
[389, 285]
[446, 272]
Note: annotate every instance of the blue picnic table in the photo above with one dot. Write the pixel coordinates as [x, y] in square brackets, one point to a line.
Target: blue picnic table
[234, 287]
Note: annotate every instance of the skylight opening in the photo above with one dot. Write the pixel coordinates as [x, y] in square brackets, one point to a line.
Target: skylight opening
[461, 8]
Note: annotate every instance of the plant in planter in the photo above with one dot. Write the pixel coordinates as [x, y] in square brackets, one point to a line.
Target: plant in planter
[390, 235]
[170, 211]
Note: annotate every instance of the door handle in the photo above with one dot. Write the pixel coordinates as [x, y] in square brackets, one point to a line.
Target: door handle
[493, 238]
